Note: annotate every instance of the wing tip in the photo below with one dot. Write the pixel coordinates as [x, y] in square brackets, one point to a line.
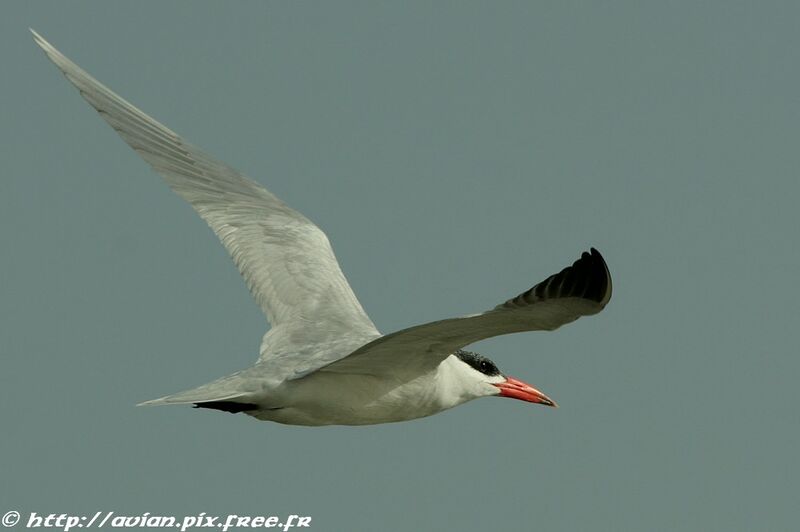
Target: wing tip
[51, 52]
[587, 278]
[41, 41]
[605, 283]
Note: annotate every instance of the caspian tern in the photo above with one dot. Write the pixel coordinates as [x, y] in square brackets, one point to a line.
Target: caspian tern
[323, 362]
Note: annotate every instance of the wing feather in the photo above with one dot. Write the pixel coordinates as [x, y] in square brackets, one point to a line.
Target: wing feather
[579, 290]
[286, 260]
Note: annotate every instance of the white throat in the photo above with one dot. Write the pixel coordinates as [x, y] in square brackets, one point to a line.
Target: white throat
[457, 383]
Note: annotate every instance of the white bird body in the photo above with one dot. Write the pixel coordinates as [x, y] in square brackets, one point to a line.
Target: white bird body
[326, 398]
[323, 362]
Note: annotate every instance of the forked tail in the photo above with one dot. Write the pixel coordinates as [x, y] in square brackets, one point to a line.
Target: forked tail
[229, 394]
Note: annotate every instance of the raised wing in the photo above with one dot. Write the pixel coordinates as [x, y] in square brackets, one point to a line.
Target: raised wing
[579, 290]
[285, 259]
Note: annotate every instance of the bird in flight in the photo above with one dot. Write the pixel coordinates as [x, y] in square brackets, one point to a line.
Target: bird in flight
[323, 362]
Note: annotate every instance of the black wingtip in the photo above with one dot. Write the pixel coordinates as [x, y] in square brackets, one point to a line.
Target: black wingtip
[588, 278]
[600, 278]
[227, 406]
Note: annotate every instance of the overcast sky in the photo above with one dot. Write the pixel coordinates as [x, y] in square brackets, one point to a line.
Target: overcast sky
[456, 153]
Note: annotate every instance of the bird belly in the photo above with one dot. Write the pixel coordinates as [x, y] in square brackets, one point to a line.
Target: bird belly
[336, 399]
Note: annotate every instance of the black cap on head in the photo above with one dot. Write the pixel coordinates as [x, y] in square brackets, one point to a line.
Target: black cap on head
[478, 362]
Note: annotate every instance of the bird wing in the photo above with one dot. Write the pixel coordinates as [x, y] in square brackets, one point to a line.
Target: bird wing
[286, 260]
[578, 290]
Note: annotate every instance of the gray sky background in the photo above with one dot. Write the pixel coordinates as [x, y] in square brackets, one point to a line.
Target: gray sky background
[455, 153]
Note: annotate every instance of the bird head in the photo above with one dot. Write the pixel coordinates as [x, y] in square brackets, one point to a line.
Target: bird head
[489, 381]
